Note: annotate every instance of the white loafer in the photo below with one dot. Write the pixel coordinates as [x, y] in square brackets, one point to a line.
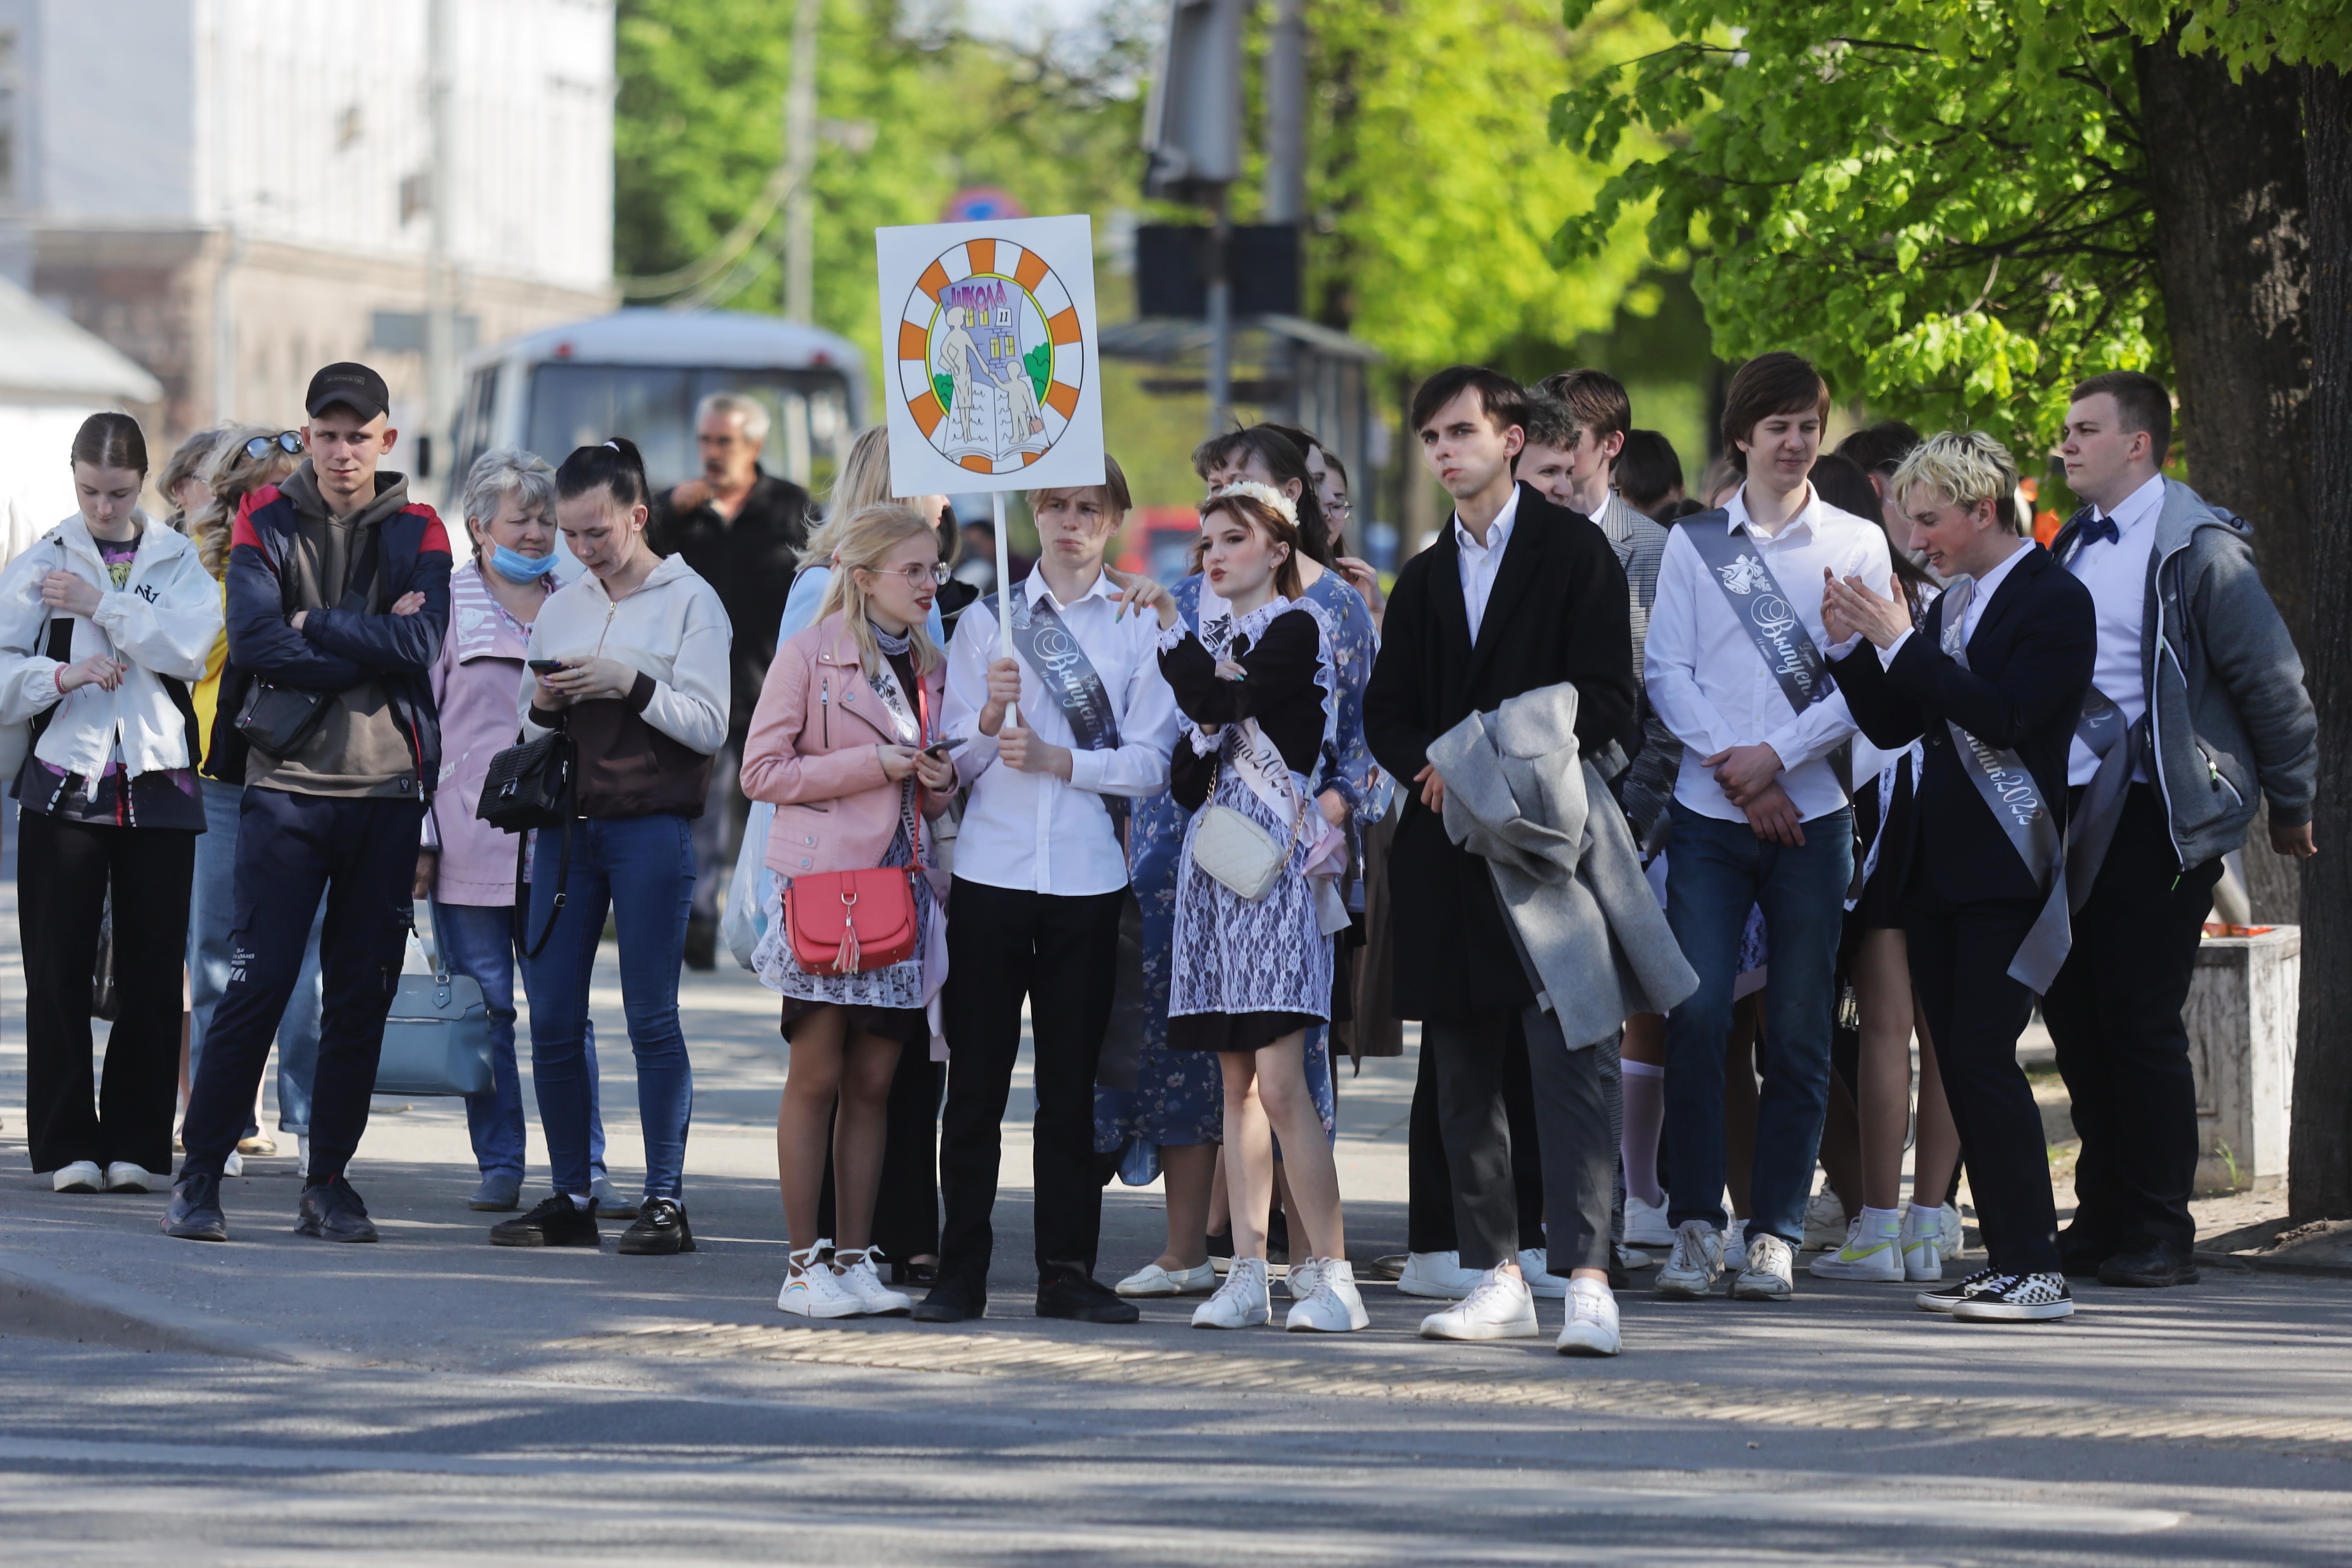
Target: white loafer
[1153, 1280]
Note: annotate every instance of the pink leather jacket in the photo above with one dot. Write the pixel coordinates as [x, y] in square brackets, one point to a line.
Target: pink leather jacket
[814, 751]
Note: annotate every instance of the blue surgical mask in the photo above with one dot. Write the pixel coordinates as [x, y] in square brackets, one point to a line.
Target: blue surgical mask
[516, 567]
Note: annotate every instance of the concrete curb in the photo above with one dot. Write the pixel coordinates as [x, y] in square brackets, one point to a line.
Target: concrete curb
[43, 1301]
[2239, 1263]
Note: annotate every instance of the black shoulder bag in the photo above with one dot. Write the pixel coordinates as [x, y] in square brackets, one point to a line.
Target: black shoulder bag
[279, 718]
[534, 785]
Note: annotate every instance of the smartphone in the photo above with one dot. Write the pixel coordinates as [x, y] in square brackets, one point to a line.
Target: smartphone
[942, 750]
[548, 666]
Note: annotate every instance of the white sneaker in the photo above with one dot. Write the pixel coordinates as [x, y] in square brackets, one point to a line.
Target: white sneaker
[1735, 1245]
[1499, 1308]
[1591, 1326]
[1697, 1257]
[1438, 1274]
[234, 1166]
[81, 1177]
[122, 1176]
[1923, 1250]
[1241, 1301]
[1646, 1224]
[1632, 1259]
[1333, 1306]
[1877, 1258]
[812, 1289]
[859, 1277]
[1299, 1280]
[1535, 1267]
[1824, 1221]
[1953, 1236]
[1153, 1280]
[1767, 1275]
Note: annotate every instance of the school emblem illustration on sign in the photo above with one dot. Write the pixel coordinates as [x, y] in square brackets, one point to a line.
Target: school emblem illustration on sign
[991, 356]
[993, 364]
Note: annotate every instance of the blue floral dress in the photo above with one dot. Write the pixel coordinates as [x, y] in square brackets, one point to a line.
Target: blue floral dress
[1179, 1098]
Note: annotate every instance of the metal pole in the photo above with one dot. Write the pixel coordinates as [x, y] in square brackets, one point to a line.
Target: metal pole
[1221, 320]
[1286, 113]
[799, 154]
[1004, 600]
[440, 327]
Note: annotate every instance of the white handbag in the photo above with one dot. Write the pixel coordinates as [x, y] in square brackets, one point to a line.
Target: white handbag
[1237, 852]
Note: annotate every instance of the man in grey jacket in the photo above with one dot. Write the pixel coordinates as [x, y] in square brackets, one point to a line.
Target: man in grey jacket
[2198, 709]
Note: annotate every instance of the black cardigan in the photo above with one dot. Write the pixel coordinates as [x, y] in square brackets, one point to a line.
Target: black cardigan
[2029, 667]
[1557, 612]
[1277, 689]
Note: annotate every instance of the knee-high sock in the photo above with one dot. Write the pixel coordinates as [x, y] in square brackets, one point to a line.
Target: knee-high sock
[1645, 1115]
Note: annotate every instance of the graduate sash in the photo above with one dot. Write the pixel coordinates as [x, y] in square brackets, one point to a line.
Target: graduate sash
[1047, 645]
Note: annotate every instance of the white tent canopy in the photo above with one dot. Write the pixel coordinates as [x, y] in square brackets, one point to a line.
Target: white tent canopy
[53, 375]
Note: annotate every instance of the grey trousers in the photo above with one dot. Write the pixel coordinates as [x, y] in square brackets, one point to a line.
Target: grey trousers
[1574, 1121]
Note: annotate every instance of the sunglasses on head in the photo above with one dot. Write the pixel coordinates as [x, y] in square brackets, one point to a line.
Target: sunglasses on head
[287, 441]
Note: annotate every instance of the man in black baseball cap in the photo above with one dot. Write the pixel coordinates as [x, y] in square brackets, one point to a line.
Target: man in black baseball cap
[355, 386]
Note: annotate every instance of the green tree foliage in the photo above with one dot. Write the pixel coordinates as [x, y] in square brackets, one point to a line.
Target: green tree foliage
[1941, 200]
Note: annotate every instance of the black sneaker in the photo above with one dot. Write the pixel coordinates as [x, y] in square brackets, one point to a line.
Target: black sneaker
[331, 1211]
[952, 1300]
[1083, 1298]
[661, 1230]
[1944, 1298]
[2019, 1299]
[556, 1222]
[195, 1212]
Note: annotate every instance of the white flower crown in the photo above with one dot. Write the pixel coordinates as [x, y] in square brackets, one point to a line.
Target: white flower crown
[1265, 495]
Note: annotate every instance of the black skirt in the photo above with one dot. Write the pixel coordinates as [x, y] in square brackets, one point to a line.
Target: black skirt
[908, 1026]
[1880, 906]
[1233, 1031]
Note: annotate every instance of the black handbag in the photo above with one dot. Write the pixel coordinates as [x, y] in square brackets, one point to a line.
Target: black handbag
[533, 784]
[279, 720]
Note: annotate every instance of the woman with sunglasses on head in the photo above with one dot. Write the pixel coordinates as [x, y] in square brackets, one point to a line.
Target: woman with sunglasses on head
[103, 622]
[1252, 971]
[631, 659]
[837, 744]
[246, 460]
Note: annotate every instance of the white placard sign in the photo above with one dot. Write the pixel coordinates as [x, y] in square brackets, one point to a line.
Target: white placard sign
[989, 367]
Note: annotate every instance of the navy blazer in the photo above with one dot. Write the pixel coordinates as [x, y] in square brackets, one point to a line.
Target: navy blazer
[2029, 668]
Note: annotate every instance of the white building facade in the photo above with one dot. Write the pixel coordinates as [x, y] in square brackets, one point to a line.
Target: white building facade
[235, 191]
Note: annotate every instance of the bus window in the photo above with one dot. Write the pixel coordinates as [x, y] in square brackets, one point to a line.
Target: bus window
[579, 405]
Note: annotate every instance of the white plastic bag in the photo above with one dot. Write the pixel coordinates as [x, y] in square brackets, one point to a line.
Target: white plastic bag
[746, 920]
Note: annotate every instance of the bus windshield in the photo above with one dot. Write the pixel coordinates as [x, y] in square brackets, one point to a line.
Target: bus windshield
[579, 404]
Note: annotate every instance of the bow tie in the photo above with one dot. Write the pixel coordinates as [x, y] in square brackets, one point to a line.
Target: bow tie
[2096, 527]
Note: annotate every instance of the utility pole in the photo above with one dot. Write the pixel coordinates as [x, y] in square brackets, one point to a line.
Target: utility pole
[1191, 143]
[440, 324]
[1286, 113]
[799, 156]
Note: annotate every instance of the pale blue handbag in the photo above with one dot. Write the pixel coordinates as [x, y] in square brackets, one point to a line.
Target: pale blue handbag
[437, 1038]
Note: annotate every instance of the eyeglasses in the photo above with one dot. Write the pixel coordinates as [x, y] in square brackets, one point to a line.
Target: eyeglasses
[1338, 507]
[287, 441]
[916, 576]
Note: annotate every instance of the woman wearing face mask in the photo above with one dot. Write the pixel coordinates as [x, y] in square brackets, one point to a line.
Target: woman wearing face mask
[1251, 976]
[466, 868]
[631, 660]
[836, 743]
[104, 622]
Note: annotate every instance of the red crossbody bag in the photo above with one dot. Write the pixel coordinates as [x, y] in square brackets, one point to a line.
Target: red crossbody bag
[843, 922]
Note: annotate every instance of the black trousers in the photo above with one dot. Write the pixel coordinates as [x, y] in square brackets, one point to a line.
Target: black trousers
[1429, 1205]
[1959, 956]
[63, 872]
[2114, 1014]
[291, 850]
[1060, 954]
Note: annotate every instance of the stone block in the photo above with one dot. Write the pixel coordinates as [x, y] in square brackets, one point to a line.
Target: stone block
[2241, 1013]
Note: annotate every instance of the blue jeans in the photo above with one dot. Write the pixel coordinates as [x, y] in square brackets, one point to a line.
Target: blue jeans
[210, 914]
[642, 869]
[480, 942]
[1714, 870]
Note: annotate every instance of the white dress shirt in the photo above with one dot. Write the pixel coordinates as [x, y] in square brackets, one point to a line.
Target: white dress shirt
[2116, 572]
[1481, 561]
[1706, 679]
[1979, 597]
[1031, 831]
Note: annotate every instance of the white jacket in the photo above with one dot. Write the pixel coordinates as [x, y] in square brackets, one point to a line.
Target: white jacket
[672, 629]
[162, 623]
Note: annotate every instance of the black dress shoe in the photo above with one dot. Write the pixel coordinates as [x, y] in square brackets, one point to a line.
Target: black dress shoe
[1082, 1299]
[556, 1222]
[661, 1230]
[952, 1300]
[2079, 1253]
[923, 1274]
[195, 1212]
[2149, 1266]
[331, 1211]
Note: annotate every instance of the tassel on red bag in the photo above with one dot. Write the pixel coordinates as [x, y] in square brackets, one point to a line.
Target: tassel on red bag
[877, 907]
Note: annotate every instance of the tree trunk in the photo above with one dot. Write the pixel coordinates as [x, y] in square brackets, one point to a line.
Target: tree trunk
[2226, 179]
[2319, 1154]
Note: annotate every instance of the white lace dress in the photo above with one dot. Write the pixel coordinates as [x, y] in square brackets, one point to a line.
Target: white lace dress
[1243, 970]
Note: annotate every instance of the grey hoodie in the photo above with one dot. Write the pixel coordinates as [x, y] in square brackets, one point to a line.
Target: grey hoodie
[2228, 714]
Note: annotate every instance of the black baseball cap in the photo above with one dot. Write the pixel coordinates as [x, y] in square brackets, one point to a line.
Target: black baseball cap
[354, 386]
